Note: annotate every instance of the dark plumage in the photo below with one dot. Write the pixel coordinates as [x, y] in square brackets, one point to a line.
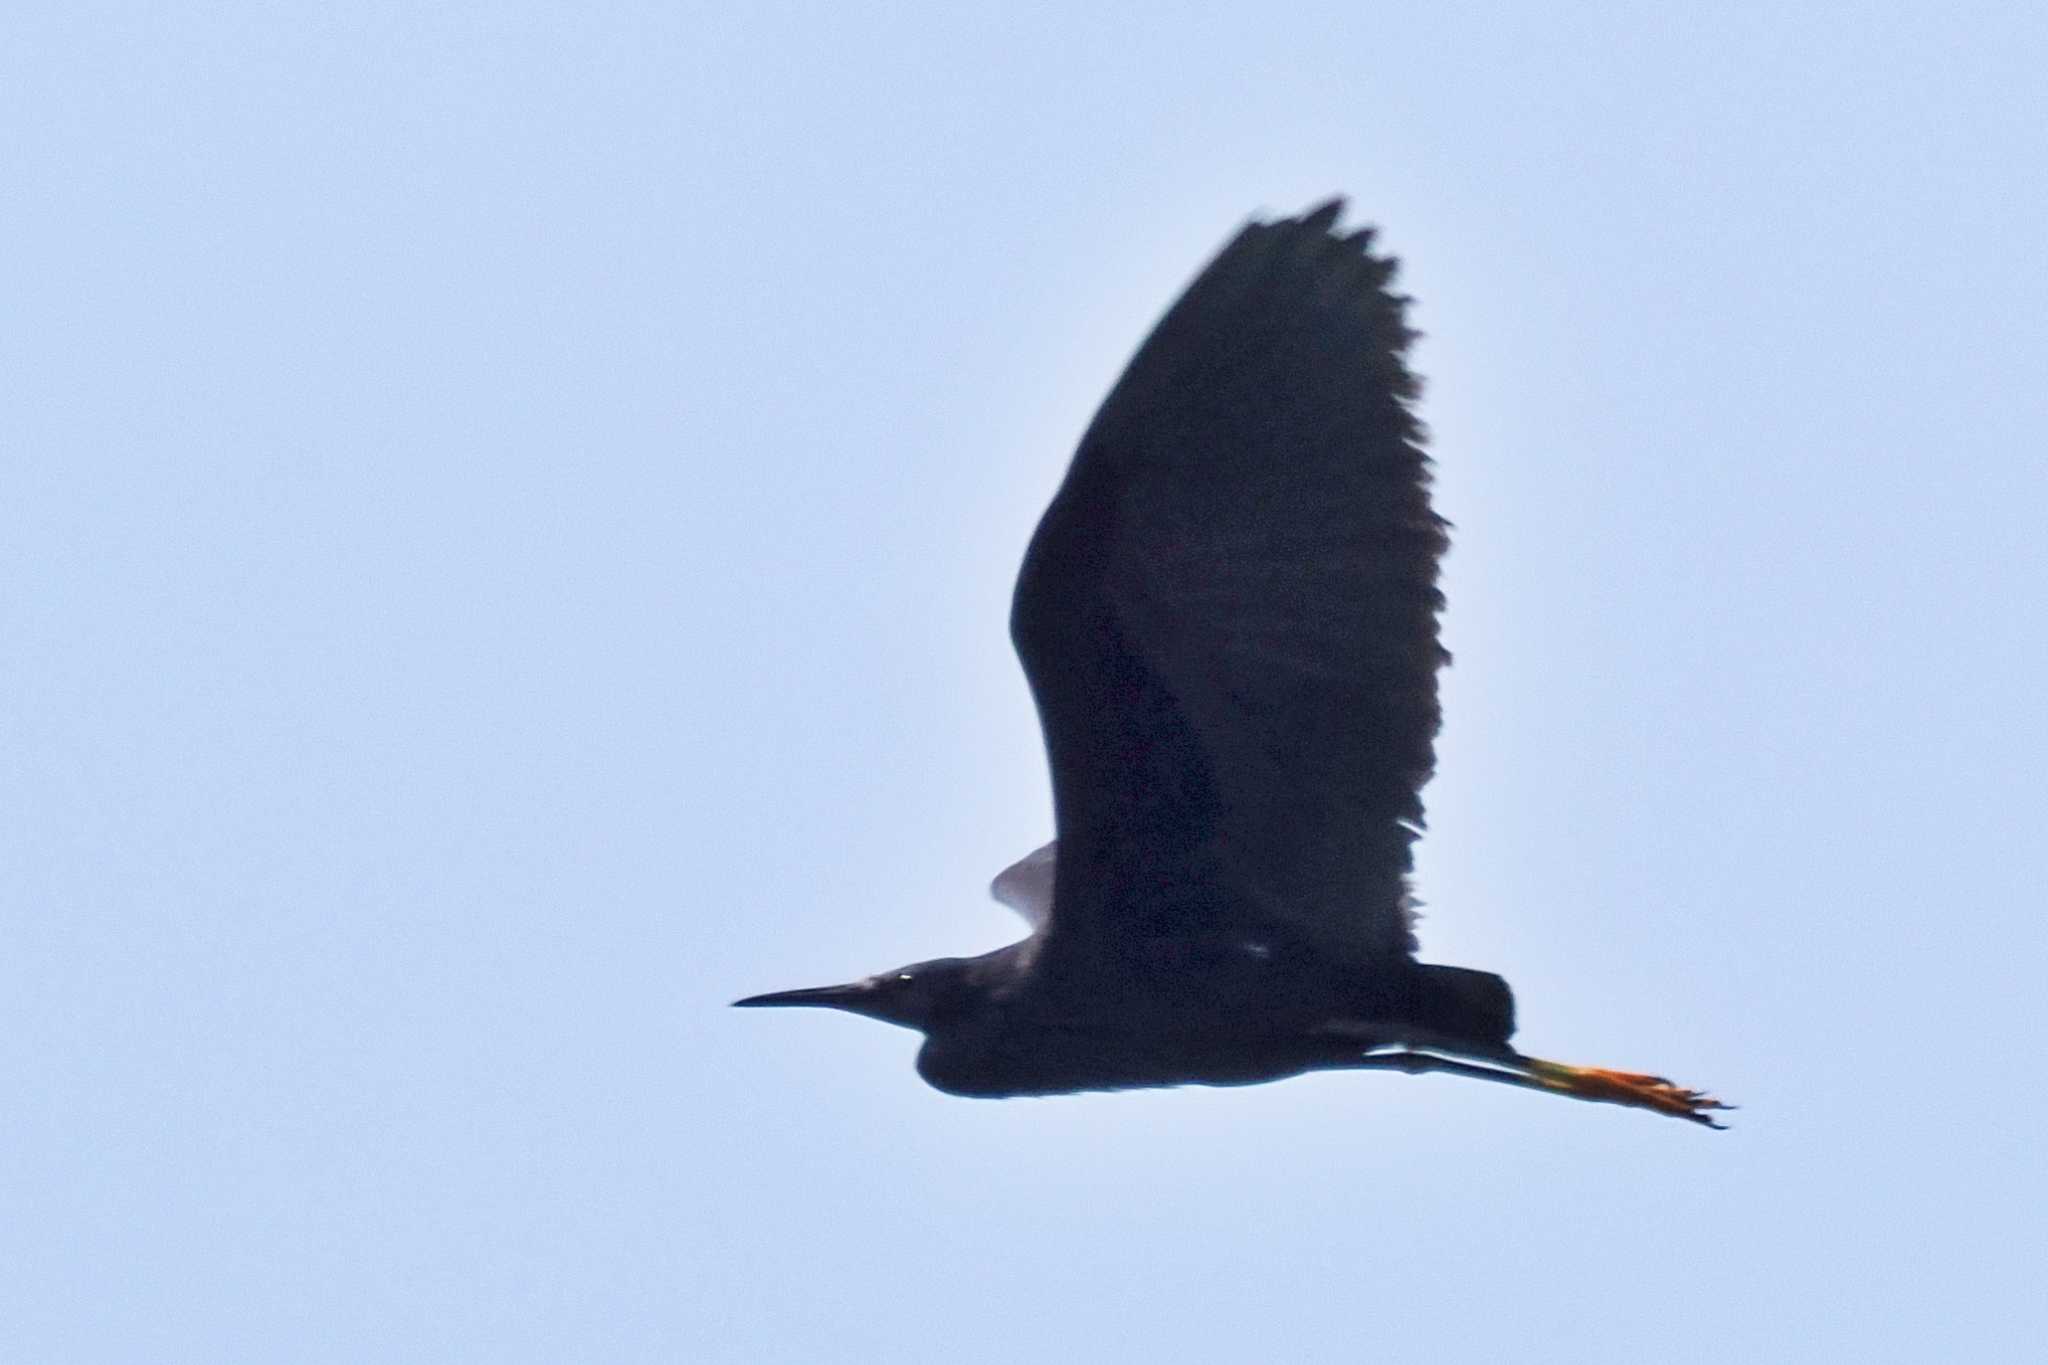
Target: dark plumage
[1228, 616]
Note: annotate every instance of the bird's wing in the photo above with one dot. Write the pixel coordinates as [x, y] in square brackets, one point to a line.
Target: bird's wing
[1026, 885]
[1228, 614]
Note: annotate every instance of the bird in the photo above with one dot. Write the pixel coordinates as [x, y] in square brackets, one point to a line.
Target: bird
[1229, 620]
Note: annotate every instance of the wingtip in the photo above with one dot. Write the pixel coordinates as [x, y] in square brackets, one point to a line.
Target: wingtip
[1324, 216]
[1317, 233]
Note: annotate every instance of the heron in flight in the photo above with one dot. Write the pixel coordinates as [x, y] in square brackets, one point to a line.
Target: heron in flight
[1228, 617]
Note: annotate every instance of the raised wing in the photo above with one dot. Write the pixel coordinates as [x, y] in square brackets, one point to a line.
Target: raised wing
[1228, 614]
[1026, 885]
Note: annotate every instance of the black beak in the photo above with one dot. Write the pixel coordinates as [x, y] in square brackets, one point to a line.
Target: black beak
[848, 997]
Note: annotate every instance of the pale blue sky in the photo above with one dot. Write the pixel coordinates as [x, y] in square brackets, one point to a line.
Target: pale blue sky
[508, 518]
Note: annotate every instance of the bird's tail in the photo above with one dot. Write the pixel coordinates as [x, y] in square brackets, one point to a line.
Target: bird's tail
[1463, 1003]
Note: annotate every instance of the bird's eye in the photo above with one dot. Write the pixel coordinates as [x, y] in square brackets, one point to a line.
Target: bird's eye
[903, 976]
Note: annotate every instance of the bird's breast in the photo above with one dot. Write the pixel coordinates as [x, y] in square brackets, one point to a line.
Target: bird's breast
[1208, 1013]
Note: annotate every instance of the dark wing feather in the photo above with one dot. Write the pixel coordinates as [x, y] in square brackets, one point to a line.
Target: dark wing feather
[1228, 615]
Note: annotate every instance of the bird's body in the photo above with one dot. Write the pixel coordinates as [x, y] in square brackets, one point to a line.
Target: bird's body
[1228, 616]
[1202, 1012]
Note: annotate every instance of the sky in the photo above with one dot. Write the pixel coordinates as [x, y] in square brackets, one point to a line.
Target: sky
[507, 518]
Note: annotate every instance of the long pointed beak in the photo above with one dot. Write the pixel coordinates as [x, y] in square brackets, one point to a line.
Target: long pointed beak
[847, 997]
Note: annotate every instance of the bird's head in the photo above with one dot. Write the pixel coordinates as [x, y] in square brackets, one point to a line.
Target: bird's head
[912, 997]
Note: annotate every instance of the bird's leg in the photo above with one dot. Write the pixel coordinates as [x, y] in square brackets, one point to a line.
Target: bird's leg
[1579, 1082]
[1625, 1087]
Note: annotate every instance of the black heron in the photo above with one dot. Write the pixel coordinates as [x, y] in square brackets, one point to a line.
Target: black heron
[1228, 617]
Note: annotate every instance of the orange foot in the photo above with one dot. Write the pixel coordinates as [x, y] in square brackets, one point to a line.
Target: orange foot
[1628, 1087]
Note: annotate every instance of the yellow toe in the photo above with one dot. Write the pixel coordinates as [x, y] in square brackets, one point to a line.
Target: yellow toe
[1633, 1088]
